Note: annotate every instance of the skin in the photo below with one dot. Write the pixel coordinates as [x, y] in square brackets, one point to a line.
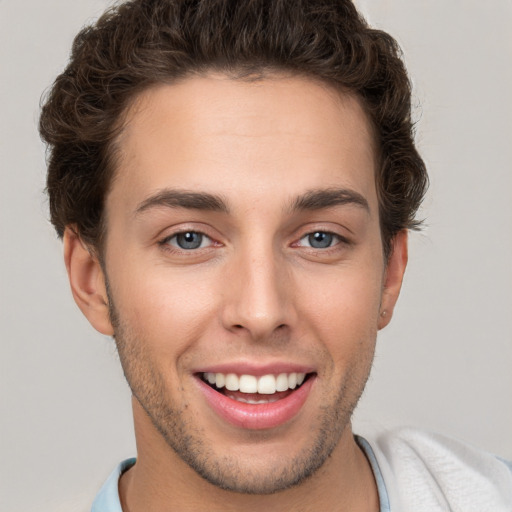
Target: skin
[255, 291]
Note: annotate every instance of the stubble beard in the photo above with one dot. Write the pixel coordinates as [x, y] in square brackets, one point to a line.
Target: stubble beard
[189, 441]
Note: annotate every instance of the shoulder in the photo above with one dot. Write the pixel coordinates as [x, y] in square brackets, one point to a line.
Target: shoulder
[429, 472]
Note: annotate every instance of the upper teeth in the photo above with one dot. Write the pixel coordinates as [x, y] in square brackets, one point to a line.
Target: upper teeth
[266, 384]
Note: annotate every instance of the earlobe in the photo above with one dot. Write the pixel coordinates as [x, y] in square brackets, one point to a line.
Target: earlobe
[87, 282]
[393, 277]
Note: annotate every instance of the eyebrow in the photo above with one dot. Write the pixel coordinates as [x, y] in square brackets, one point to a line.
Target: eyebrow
[171, 198]
[316, 199]
[326, 198]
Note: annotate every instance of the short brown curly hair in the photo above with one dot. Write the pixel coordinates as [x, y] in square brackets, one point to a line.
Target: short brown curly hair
[140, 43]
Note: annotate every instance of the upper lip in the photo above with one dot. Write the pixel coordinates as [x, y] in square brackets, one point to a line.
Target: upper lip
[247, 368]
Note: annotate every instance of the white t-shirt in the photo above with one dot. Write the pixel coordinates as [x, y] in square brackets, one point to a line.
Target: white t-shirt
[415, 471]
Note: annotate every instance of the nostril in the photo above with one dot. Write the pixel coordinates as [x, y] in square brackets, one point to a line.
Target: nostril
[239, 326]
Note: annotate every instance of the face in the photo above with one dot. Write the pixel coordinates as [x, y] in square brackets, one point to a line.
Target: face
[245, 273]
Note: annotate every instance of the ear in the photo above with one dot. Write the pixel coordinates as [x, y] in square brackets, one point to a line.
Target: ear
[87, 282]
[393, 277]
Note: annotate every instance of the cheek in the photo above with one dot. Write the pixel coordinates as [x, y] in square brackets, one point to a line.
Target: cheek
[167, 309]
[342, 307]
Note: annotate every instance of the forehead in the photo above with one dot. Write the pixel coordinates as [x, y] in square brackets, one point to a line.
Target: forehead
[273, 137]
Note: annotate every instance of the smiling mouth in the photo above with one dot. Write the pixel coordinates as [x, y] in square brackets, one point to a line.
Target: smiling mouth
[254, 390]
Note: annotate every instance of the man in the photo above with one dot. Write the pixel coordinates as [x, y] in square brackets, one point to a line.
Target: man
[234, 182]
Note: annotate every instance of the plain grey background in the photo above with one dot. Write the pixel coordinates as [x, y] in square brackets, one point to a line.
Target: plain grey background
[444, 363]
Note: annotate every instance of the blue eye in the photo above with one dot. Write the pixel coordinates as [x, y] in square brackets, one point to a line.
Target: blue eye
[189, 240]
[320, 240]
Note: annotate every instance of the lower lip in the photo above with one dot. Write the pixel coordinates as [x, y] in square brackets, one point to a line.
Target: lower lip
[257, 416]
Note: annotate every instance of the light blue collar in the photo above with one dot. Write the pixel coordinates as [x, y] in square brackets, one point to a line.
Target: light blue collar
[107, 500]
[381, 486]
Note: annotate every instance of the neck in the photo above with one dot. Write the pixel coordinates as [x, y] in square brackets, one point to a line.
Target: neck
[161, 481]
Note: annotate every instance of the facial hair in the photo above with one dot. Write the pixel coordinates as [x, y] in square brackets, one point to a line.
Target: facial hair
[190, 441]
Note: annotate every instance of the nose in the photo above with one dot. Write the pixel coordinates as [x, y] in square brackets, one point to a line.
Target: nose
[258, 296]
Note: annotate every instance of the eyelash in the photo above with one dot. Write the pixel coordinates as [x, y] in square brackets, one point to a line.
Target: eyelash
[338, 240]
[334, 237]
[167, 245]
